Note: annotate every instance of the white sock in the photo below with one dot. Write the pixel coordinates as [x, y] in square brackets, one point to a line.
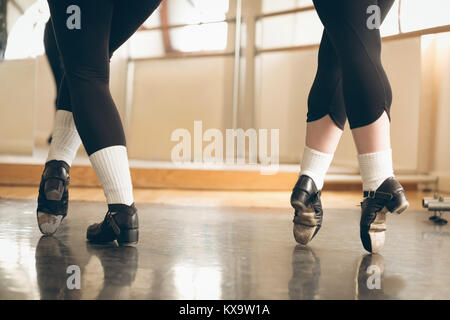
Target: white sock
[375, 168]
[113, 172]
[65, 138]
[315, 164]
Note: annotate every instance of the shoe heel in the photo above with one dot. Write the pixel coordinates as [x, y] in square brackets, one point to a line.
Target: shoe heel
[398, 204]
[54, 189]
[129, 236]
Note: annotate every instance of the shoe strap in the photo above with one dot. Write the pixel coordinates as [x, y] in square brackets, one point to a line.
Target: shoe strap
[378, 195]
[109, 219]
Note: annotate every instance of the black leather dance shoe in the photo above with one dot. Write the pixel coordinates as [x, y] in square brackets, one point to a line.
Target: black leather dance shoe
[121, 223]
[305, 199]
[53, 199]
[389, 197]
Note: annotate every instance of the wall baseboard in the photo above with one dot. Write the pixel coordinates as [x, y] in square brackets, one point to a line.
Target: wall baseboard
[12, 174]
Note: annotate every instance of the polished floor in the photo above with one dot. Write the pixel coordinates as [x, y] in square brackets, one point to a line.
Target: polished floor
[188, 252]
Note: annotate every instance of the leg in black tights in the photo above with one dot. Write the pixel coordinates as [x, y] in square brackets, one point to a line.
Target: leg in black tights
[84, 90]
[350, 80]
[367, 95]
[350, 83]
[52, 53]
[105, 25]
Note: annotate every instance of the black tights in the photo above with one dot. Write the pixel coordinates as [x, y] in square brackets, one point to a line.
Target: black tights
[350, 80]
[51, 50]
[86, 53]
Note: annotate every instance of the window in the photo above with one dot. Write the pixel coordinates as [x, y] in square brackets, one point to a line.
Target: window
[305, 28]
[420, 14]
[25, 40]
[199, 25]
[269, 6]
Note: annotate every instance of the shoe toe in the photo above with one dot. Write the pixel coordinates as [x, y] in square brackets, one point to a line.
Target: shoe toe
[49, 223]
[303, 234]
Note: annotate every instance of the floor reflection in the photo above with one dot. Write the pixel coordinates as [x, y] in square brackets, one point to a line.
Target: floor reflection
[52, 261]
[53, 268]
[220, 253]
[372, 284]
[369, 277]
[119, 266]
[304, 283]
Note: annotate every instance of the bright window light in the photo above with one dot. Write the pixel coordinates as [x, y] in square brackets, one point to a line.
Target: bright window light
[203, 37]
[199, 38]
[298, 29]
[146, 44]
[390, 23]
[197, 11]
[280, 5]
[26, 37]
[207, 37]
[421, 14]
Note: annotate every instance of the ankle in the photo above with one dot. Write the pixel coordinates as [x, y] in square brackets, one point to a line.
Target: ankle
[375, 168]
[315, 165]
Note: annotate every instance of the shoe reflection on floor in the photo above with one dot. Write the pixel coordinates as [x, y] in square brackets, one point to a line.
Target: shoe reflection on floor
[371, 281]
[304, 284]
[53, 259]
[120, 266]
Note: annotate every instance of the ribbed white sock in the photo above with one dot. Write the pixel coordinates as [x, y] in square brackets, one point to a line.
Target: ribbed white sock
[113, 172]
[375, 168]
[65, 138]
[315, 164]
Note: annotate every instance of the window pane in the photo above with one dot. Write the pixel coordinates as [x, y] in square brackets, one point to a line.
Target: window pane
[196, 11]
[422, 14]
[25, 37]
[280, 5]
[302, 28]
[146, 44]
[212, 36]
[390, 23]
[197, 38]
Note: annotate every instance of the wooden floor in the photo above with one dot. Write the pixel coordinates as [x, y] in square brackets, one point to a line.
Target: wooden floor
[258, 199]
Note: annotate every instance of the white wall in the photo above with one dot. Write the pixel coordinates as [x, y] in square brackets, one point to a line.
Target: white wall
[172, 94]
[17, 106]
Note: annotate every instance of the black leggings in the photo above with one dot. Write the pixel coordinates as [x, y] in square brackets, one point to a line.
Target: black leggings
[350, 81]
[86, 53]
[51, 50]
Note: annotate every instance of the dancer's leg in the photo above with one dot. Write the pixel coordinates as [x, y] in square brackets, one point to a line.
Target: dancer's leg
[368, 98]
[86, 53]
[52, 53]
[127, 17]
[64, 144]
[325, 122]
